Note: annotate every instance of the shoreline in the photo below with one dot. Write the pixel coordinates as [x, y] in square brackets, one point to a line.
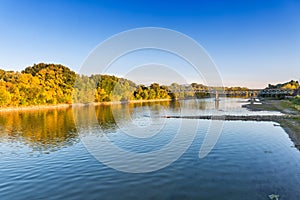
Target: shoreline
[34, 108]
[292, 131]
[64, 106]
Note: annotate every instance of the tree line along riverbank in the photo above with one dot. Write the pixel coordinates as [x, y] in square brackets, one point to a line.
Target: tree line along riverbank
[52, 84]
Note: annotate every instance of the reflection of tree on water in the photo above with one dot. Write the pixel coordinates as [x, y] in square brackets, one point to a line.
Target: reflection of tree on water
[202, 105]
[44, 130]
[217, 104]
[109, 116]
[174, 105]
[91, 116]
[105, 117]
[50, 130]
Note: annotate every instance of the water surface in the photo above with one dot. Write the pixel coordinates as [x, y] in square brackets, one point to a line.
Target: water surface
[42, 156]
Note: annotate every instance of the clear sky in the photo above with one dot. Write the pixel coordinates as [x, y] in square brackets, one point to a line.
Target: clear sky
[252, 42]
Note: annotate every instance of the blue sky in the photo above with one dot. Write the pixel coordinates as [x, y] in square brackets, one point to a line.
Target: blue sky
[253, 43]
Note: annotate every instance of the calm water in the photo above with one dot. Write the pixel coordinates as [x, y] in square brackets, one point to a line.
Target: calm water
[42, 155]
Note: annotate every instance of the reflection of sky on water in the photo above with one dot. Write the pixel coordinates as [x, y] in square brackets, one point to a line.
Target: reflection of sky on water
[226, 106]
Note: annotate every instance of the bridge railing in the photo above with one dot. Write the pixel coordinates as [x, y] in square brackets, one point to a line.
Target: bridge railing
[277, 92]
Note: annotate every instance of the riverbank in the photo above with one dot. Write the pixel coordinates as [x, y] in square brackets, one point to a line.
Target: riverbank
[291, 124]
[63, 106]
[34, 108]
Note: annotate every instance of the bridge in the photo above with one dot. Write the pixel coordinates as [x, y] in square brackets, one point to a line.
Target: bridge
[251, 92]
[277, 92]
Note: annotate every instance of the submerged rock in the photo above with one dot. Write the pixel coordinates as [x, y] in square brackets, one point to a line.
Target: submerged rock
[274, 196]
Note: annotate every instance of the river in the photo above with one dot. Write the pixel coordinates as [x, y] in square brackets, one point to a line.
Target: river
[64, 153]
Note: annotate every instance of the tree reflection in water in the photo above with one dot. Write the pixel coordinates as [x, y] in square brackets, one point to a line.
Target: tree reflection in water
[41, 130]
[52, 129]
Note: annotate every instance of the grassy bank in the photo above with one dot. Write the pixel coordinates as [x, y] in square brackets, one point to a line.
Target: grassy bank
[291, 107]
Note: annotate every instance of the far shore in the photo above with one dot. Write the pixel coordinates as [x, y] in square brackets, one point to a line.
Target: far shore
[64, 106]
